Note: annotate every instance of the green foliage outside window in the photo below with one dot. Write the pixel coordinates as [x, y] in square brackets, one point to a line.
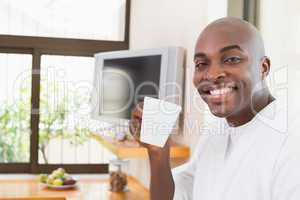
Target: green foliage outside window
[15, 128]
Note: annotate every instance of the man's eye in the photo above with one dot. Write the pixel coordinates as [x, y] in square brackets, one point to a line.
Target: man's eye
[200, 65]
[232, 60]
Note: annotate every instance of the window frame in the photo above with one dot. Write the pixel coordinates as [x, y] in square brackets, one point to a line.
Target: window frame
[38, 46]
[251, 10]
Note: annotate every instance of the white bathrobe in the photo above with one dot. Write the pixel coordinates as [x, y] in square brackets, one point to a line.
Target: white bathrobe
[259, 160]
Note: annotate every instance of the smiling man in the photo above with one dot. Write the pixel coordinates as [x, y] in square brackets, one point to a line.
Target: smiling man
[230, 70]
[254, 156]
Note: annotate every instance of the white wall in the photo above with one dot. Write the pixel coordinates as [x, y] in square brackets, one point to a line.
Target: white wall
[160, 23]
[279, 23]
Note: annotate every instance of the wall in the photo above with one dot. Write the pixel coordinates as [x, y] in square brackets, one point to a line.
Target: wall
[280, 28]
[160, 23]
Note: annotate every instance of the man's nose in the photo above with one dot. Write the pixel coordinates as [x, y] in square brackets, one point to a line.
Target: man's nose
[214, 72]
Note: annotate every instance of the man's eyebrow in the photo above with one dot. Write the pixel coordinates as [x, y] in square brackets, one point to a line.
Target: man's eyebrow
[227, 48]
[199, 55]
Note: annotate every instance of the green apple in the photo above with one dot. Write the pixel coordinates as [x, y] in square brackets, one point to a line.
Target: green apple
[50, 181]
[58, 181]
[59, 173]
[51, 176]
[43, 178]
[61, 170]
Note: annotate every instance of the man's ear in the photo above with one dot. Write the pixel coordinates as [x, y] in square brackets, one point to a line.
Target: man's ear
[265, 67]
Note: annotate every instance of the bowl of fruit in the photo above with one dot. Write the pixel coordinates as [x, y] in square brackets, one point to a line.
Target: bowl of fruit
[58, 179]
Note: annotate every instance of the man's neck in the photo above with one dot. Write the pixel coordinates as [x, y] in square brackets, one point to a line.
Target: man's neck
[247, 114]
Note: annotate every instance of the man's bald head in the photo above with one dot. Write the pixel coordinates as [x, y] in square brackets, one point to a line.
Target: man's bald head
[233, 29]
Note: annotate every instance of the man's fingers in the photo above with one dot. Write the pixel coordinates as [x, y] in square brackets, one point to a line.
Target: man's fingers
[138, 111]
[135, 128]
[136, 121]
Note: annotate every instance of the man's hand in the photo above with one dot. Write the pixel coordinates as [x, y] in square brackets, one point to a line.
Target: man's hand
[162, 185]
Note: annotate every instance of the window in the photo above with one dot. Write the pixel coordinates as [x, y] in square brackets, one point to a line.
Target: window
[99, 19]
[15, 94]
[46, 69]
[246, 9]
[64, 125]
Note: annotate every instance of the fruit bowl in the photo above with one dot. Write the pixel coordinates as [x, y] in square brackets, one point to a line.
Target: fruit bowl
[59, 187]
[58, 179]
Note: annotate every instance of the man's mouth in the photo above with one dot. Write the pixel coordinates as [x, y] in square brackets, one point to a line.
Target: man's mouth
[217, 93]
[221, 91]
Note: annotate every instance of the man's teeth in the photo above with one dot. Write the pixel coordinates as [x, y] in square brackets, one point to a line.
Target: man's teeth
[221, 91]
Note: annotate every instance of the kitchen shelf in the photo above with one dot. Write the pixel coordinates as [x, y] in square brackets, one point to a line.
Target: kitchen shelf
[131, 149]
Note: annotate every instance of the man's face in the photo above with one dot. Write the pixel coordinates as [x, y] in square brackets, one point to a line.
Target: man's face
[225, 71]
